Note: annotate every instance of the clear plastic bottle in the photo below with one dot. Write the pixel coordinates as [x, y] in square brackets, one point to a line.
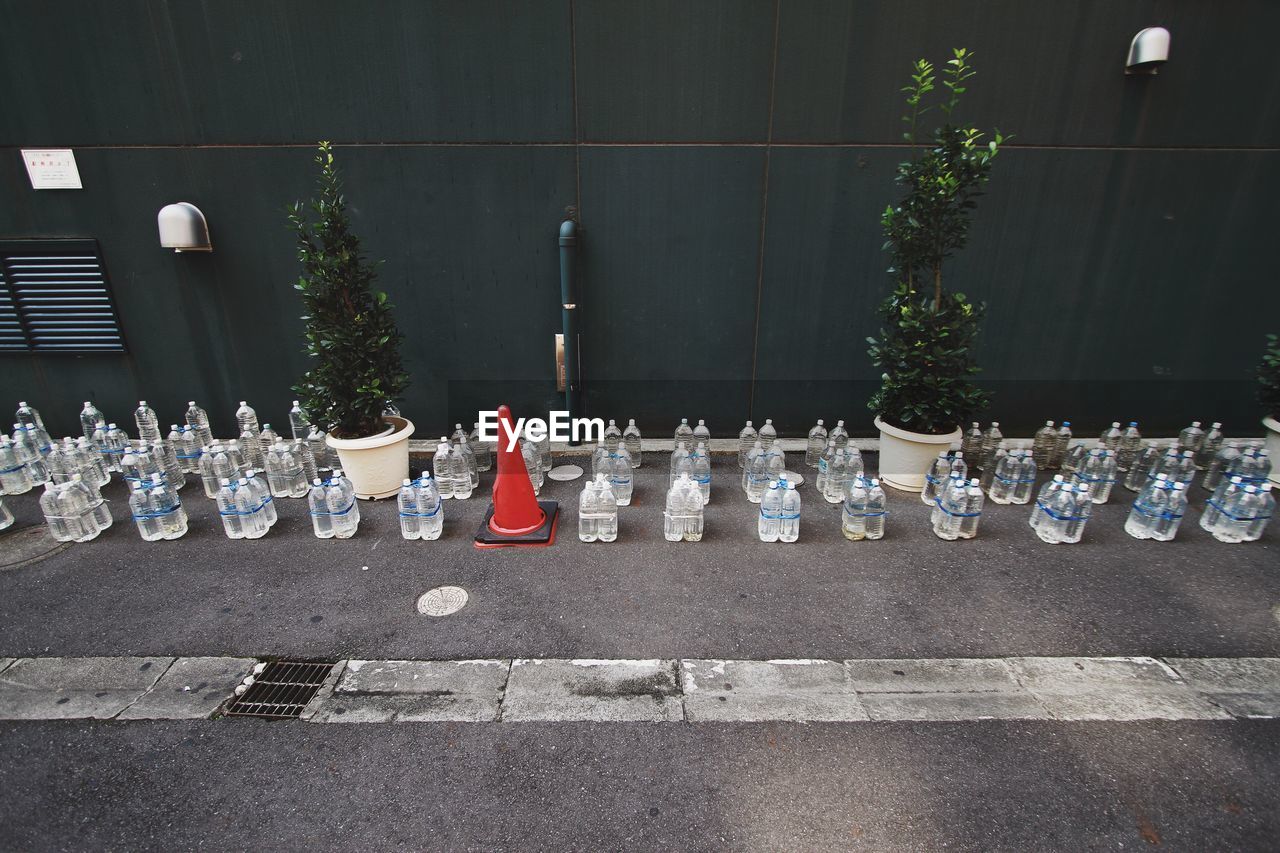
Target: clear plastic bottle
[532, 464]
[247, 418]
[444, 469]
[1147, 509]
[267, 439]
[229, 510]
[198, 420]
[1047, 493]
[839, 473]
[757, 450]
[746, 440]
[544, 452]
[1110, 437]
[600, 459]
[28, 453]
[789, 521]
[1262, 514]
[768, 435]
[1141, 466]
[253, 517]
[410, 514]
[1222, 462]
[343, 508]
[840, 434]
[825, 460]
[430, 507]
[251, 448]
[293, 476]
[607, 529]
[298, 423]
[971, 443]
[853, 512]
[701, 433]
[484, 455]
[700, 470]
[683, 517]
[1004, 479]
[166, 507]
[1099, 473]
[318, 504]
[1042, 445]
[769, 521]
[262, 494]
[991, 439]
[465, 479]
[877, 510]
[167, 458]
[1062, 440]
[320, 448]
[968, 527]
[684, 433]
[62, 526]
[185, 444]
[681, 462]
[631, 440]
[117, 443]
[1240, 511]
[28, 416]
[1172, 512]
[459, 440]
[1209, 445]
[15, 479]
[947, 509]
[589, 510]
[775, 463]
[1026, 484]
[817, 443]
[620, 479]
[1191, 438]
[148, 423]
[1130, 446]
[1075, 457]
[89, 417]
[612, 436]
[990, 464]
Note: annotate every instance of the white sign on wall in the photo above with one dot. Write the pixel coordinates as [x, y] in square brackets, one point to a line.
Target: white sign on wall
[52, 168]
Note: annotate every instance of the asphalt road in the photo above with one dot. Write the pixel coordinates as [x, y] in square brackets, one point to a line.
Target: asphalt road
[908, 595]
[233, 784]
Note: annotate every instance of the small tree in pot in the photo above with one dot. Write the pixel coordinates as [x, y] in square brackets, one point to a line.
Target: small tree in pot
[351, 338]
[925, 346]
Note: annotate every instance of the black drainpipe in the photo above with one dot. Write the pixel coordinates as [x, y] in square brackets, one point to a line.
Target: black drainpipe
[568, 320]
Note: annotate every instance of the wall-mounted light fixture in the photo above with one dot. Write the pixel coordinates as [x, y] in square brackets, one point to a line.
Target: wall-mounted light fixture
[183, 228]
[1148, 51]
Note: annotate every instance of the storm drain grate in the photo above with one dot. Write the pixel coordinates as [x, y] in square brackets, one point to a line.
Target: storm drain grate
[281, 691]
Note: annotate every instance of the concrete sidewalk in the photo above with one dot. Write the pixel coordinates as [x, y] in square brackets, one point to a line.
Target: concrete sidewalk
[910, 595]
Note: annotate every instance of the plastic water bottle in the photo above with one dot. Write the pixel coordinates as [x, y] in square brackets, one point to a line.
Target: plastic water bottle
[28, 453]
[1147, 508]
[612, 436]
[430, 507]
[948, 508]
[1241, 510]
[684, 433]
[877, 510]
[251, 447]
[1037, 510]
[840, 434]
[700, 470]
[183, 441]
[298, 423]
[318, 504]
[544, 453]
[410, 514]
[89, 418]
[1026, 479]
[589, 510]
[167, 458]
[631, 440]
[484, 455]
[228, 510]
[600, 459]
[1075, 457]
[443, 468]
[757, 450]
[1063, 439]
[789, 522]
[247, 419]
[290, 476]
[148, 423]
[971, 443]
[1141, 466]
[1130, 446]
[853, 513]
[769, 522]
[69, 511]
[343, 508]
[157, 512]
[262, 494]
[1042, 445]
[198, 420]
[681, 462]
[839, 472]
[15, 478]
[817, 443]
[532, 464]
[683, 516]
[620, 479]
[989, 468]
[1173, 508]
[775, 463]
[1099, 472]
[746, 440]
[991, 438]
[250, 506]
[468, 457]
[267, 439]
[1209, 445]
[28, 416]
[701, 434]
[768, 435]
[825, 460]
[972, 512]
[1191, 438]
[1110, 437]
[116, 444]
[320, 449]
[1262, 514]
[608, 528]
[1222, 461]
[1005, 478]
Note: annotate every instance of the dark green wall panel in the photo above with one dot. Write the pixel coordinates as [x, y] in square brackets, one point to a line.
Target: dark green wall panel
[669, 283]
[1051, 73]
[673, 71]
[242, 71]
[467, 234]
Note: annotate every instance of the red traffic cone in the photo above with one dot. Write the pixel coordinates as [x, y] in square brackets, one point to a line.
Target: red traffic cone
[516, 516]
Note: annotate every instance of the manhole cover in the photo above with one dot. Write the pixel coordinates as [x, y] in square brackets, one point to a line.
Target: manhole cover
[442, 601]
[565, 473]
[281, 690]
[27, 545]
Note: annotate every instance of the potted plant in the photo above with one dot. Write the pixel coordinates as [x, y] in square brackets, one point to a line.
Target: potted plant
[1269, 397]
[925, 344]
[351, 338]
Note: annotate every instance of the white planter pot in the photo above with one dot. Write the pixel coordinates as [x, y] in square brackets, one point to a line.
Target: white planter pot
[376, 465]
[905, 456]
[1273, 447]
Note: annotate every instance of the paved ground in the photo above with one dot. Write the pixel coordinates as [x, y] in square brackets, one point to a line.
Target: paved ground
[1001, 785]
[909, 595]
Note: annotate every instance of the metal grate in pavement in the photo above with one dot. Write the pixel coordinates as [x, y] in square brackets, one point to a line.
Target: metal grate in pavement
[281, 691]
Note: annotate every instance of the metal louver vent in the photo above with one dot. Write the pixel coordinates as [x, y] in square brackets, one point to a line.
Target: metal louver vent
[55, 297]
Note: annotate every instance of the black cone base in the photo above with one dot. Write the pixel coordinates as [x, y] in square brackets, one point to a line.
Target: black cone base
[544, 535]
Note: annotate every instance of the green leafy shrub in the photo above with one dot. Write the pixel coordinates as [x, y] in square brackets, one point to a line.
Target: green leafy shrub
[925, 345]
[351, 336]
[1269, 378]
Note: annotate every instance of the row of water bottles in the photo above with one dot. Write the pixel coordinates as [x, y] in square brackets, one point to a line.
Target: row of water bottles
[421, 509]
[614, 465]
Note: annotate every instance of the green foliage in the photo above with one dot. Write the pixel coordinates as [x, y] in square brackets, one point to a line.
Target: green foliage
[351, 336]
[1269, 378]
[924, 347]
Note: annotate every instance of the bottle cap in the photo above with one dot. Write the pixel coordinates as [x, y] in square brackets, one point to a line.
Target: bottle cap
[407, 482]
[839, 423]
[1177, 487]
[142, 403]
[768, 421]
[1195, 423]
[1216, 425]
[224, 481]
[819, 421]
[995, 424]
[315, 482]
[243, 403]
[1133, 423]
[1066, 423]
[959, 455]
